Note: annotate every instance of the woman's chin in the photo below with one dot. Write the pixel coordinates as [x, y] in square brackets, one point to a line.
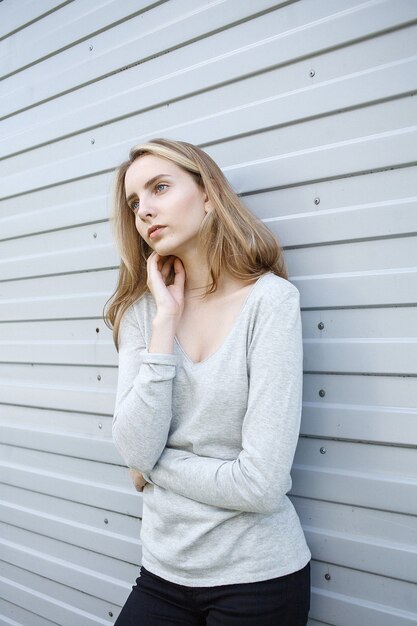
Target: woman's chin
[164, 249]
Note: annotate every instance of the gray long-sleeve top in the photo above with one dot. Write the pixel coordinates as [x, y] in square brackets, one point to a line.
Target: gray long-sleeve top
[216, 440]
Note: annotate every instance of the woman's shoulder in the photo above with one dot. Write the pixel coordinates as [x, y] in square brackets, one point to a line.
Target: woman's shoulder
[274, 288]
[143, 306]
[138, 309]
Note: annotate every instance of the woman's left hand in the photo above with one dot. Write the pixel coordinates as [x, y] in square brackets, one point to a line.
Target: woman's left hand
[138, 480]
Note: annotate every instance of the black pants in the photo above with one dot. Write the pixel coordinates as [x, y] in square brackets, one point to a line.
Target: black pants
[282, 601]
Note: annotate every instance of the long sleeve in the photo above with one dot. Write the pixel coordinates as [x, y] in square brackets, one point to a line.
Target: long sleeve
[143, 408]
[259, 477]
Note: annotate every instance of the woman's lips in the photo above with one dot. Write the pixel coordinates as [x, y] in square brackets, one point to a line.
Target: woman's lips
[156, 232]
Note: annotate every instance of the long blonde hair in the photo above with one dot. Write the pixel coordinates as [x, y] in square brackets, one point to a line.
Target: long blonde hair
[230, 235]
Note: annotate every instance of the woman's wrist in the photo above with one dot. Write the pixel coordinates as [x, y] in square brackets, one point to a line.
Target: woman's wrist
[163, 333]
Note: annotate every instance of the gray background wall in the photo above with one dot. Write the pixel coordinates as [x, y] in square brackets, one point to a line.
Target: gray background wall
[309, 107]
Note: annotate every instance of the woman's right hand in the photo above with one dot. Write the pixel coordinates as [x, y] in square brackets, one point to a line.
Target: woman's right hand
[169, 299]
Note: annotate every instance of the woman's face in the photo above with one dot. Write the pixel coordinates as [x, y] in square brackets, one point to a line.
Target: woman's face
[160, 192]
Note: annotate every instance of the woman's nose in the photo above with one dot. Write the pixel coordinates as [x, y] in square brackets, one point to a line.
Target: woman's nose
[146, 208]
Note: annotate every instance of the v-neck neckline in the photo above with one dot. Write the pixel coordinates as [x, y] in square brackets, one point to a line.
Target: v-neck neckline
[226, 339]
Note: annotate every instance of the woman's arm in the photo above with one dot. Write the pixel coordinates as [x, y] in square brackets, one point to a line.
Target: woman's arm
[143, 413]
[260, 476]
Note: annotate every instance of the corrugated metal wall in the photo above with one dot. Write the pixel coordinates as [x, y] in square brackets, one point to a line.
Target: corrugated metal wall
[309, 107]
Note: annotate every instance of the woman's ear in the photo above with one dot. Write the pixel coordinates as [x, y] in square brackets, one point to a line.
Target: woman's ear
[207, 205]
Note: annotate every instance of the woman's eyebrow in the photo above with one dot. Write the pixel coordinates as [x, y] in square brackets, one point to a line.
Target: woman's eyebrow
[148, 184]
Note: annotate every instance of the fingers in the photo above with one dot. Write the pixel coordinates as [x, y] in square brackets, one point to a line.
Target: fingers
[160, 263]
[138, 480]
[179, 272]
[166, 267]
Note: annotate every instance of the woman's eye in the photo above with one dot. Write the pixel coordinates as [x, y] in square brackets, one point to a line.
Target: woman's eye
[134, 206]
[161, 185]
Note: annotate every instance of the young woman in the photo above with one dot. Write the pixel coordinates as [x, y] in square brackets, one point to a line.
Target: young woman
[208, 402]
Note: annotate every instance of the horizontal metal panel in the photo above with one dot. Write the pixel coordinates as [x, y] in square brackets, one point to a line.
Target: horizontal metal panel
[48, 297]
[53, 600]
[107, 532]
[284, 41]
[104, 475]
[373, 476]
[314, 134]
[265, 112]
[350, 596]
[367, 288]
[78, 446]
[106, 543]
[393, 560]
[81, 389]
[346, 610]
[355, 488]
[384, 392]
[384, 254]
[287, 81]
[89, 472]
[389, 425]
[385, 323]
[89, 425]
[81, 569]
[73, 22]
[354, 141]
[384, 355]
[399, 185]
[385, 149]
[55, 330]
[75, 212]
[166, 27]
[377, 341]
[83, 342]
[279, 96]
[119, 525]
[47, 606]
[358, 459]
[12, 614]
[16, 16]
[82, 201]
[72, 488]
[391, 537]
[83, 248]
[397, 595]
[397, 217]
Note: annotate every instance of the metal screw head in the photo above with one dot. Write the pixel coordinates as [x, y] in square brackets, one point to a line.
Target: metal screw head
[323, 450]
[322, 393]
[316, 201]
[320, 325]
[98, 376]
[110, 614]
[90, 48]
[106, 521]
[327, 576]
[100, 426]
[95, 235]
[93, 140]
[312, 72]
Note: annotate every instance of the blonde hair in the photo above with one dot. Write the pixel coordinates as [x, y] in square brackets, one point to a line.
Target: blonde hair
[230, 236]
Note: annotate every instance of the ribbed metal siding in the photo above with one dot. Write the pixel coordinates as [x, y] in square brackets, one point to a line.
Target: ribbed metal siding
[309, 108]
